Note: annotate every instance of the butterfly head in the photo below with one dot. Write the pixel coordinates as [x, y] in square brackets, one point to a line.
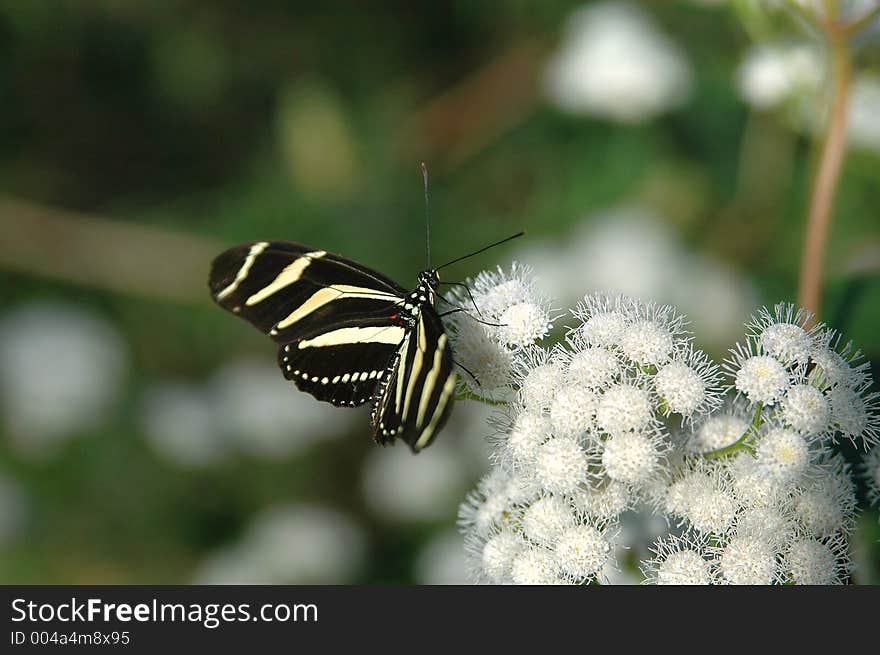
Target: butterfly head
[429, 279]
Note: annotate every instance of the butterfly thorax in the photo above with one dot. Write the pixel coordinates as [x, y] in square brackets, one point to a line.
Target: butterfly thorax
[424, 294]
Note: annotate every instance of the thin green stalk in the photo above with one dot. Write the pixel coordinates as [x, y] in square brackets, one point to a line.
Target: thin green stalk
[739, 444]
[468, 395]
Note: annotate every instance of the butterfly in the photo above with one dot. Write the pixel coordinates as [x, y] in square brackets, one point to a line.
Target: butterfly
[346, 333]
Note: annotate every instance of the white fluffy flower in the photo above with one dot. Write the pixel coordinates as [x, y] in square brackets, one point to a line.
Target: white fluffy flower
[827, 505]
[630, 457]
[545, 519]
[539, 384]
[811, 562]
[535, 566]
[529, 431]
[763, 379]
[783, 333]
[783, 455]
[604, 318]
[614, 63]
[747, 560]
[582, 551]
[497, 556]
[523, 324]
[773, 74]
[646, 342]
[805, 409]
[679, 561]
[592, 367]
[855, 415]
[605, 501]
[496, 291]
[486, 359]
[688, 385]
[561, 465]
[769, 523]
[623, 408]
[571, 412]
[751, 485]
[702, 498]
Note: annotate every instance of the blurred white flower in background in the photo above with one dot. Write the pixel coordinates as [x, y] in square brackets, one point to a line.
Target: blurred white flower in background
[442, 561]
[773, 74]
[247, 406]
[13, 509]
[290, 544]
[63, 369]
[400, 486]
[864, 112]
[615, 64]
[179, 421]
[267, 415]
[632, 251]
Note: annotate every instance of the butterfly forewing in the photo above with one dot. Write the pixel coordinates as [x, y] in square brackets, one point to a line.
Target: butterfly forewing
[292, 291]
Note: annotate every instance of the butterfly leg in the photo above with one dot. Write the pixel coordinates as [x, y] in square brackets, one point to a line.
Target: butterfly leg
[470, 295]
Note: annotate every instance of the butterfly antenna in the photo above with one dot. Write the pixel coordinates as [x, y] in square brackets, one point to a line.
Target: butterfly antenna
[483, 249]
[427, 222]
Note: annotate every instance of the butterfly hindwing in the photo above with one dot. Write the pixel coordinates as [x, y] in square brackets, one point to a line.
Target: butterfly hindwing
[414, 398]
[342, 366]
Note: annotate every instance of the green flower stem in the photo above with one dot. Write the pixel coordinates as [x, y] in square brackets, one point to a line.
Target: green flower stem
[739, 444]
[467, 395]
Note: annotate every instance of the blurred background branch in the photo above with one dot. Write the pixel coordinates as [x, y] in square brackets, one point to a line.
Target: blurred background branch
[103, 253]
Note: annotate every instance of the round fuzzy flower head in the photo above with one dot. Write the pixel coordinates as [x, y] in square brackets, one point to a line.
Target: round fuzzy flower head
[492, 561]
[679, 560]
[747, 560]
[561, 465]
[572, 411]
[783, 455]
[539, 376]
[760, 378]
[701, 497]
[510, 299]
[809, 561]
[535, 566]
[632, 457]
[624, 408]
[783, 334]
[592, 367]
[582, 552]
[488, 361]
[604, 318]
[870, 470]
[688, 384]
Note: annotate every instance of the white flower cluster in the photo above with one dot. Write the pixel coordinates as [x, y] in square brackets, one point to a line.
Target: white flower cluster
[627, 415]
[504, 313]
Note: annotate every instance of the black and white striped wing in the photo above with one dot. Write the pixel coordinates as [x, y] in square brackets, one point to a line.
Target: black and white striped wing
[336, 320]
[414, 398]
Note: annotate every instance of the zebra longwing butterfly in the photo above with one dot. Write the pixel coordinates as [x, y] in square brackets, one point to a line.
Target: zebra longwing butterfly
[346, 333]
